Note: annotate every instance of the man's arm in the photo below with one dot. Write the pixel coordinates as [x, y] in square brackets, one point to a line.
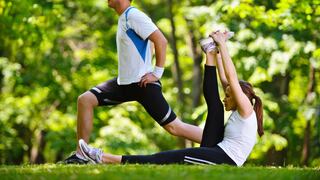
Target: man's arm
[160, 46]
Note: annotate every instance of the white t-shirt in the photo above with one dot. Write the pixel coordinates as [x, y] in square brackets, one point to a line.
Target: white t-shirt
[239, 137]
[134, 62]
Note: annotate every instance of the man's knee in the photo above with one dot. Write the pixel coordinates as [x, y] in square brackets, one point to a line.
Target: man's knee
[175, 127]
[87, 99]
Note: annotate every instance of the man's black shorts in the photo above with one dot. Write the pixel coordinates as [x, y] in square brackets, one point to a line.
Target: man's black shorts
[150, 97]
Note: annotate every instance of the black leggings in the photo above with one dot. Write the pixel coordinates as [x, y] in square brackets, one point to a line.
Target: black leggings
[209, 152]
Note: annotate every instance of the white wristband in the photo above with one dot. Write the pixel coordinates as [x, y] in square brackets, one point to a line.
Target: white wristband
[158, 71]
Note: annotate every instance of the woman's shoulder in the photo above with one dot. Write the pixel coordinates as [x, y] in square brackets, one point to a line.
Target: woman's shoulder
[251, 115]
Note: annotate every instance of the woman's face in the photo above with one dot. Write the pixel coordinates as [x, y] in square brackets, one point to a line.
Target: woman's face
[229, 102]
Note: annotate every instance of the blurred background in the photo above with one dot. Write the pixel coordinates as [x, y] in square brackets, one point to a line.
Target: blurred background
[51, 51]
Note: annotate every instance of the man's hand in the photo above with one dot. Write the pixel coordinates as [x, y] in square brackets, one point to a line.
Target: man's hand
[147, 78]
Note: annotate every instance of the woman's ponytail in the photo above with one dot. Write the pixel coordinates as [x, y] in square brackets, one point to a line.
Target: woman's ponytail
[259, 112]
[257, 105]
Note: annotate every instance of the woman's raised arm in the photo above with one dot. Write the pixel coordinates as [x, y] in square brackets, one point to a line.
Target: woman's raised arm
[244, 105]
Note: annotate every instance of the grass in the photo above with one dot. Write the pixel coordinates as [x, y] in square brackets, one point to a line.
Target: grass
[166, 172]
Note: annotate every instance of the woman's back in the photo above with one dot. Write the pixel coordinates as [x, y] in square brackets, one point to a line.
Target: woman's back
[239, 137]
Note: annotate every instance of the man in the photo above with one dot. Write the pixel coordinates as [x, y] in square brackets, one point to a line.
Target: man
[137, 80]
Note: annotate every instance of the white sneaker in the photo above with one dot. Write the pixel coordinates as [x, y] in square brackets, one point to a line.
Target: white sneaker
[208, 45]
[91, 153]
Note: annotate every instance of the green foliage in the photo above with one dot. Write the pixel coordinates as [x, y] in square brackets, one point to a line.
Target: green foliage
[274, 46]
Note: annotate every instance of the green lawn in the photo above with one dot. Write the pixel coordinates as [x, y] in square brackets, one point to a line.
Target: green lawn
[52, 171]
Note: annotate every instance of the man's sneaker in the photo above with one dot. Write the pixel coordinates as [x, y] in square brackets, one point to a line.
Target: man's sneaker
[93, 154]
[75, 159]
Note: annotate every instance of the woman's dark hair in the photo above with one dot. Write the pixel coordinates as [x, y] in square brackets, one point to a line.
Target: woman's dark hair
[248, 90]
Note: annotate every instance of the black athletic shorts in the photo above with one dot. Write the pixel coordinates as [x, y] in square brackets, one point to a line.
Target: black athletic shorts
[150, 97]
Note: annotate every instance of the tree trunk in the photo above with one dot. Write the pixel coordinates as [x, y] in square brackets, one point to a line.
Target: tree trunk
[306, 145]
[37, 156]
[307, 134]
[195, 53]
[197, 70]
[176, 69]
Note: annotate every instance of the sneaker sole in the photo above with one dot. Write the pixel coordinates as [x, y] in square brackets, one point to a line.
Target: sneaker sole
[83, 143]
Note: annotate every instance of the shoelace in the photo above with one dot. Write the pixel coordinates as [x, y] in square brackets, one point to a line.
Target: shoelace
[96, 154]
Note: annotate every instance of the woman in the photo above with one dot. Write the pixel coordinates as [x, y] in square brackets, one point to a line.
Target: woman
[230, 144]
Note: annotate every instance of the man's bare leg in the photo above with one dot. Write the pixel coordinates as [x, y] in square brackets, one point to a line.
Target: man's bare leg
[86, 103]
[184, 130]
